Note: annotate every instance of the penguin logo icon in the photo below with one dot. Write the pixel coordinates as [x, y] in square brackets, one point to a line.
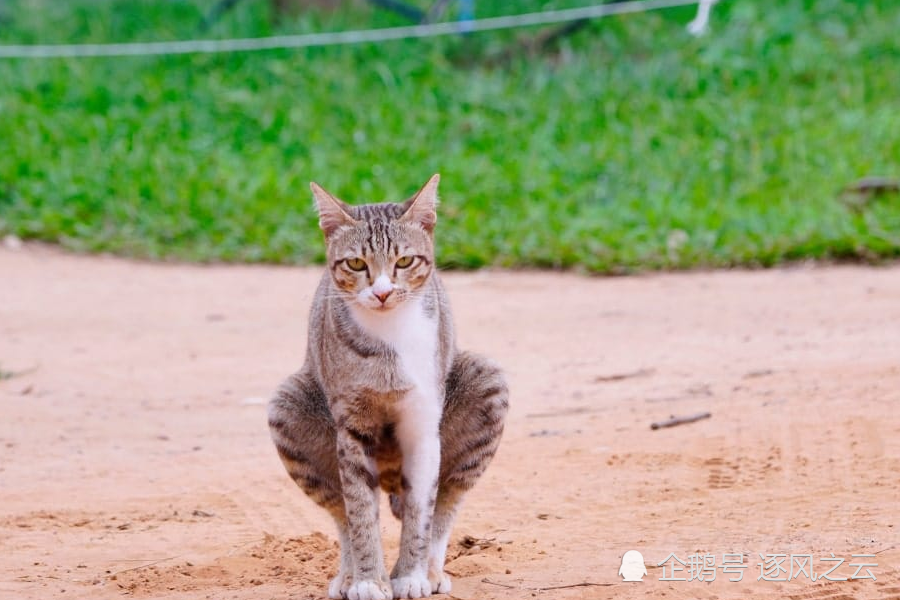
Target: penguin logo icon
[632, 568]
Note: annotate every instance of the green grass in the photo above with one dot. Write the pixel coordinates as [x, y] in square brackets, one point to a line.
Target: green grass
[631, 145]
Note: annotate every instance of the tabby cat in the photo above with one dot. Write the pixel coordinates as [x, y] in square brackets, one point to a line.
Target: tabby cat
[385, 399]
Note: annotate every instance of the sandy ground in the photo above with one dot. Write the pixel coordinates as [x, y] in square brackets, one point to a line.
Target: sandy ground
[135, 459]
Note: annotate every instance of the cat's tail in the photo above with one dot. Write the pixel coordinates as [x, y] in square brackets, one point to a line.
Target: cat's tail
[396, 505]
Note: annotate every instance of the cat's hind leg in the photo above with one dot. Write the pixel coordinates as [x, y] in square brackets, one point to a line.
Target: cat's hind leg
[475, 406]
[304, 435]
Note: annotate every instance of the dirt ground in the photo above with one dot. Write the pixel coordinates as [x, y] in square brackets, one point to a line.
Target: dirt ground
[135, 459]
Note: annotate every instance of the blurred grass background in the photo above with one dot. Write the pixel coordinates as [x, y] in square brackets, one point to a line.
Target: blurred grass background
[628, 145]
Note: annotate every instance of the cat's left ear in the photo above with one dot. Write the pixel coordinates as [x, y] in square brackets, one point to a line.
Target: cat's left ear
[422, 208]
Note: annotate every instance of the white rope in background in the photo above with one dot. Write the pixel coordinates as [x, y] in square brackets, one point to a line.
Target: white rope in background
[347, 37]
[700, 24]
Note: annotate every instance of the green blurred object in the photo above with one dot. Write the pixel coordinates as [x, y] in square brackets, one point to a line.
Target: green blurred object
[629, 145]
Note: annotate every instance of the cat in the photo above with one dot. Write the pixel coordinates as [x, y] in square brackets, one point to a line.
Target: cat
[385, 399]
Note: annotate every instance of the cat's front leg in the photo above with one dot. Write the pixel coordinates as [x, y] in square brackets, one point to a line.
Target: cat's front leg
[340, 585]
[359, 485]
[420, 444]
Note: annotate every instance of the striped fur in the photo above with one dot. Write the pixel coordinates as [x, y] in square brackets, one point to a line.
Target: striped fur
[384, 399]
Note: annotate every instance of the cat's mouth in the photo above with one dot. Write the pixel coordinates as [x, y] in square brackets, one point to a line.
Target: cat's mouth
[373, 303]
[382, 308]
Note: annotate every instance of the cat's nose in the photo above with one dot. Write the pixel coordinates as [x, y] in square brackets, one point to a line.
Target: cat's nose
[382, 287]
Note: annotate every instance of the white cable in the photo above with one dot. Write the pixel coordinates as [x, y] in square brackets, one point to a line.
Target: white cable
[700, 24]
[337, 37]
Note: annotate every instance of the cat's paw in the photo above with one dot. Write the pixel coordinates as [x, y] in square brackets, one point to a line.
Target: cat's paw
[415, 585]
[440, 581]
[339, 586]
[369, 589]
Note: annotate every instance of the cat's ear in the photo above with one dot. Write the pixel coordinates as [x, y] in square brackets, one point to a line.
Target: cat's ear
[332, 212]
[422, 208]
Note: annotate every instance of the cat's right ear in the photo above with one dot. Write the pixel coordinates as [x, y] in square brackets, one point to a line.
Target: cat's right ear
[332, 212]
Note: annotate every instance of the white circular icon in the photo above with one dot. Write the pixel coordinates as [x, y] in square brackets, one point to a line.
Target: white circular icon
[632, 568]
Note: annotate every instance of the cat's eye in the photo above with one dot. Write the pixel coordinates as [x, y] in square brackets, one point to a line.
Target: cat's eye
[404, 261]
[357, 264]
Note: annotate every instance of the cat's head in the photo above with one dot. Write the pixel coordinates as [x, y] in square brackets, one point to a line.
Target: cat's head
[380, 255]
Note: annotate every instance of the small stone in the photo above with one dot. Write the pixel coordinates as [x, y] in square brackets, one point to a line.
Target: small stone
[12, 242]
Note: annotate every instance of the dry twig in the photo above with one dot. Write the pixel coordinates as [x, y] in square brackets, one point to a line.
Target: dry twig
[549, 587]
[144, 566]
[673, 421]
[622, 376]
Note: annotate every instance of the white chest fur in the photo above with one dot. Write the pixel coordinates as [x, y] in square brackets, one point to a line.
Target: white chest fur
[412, 335]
